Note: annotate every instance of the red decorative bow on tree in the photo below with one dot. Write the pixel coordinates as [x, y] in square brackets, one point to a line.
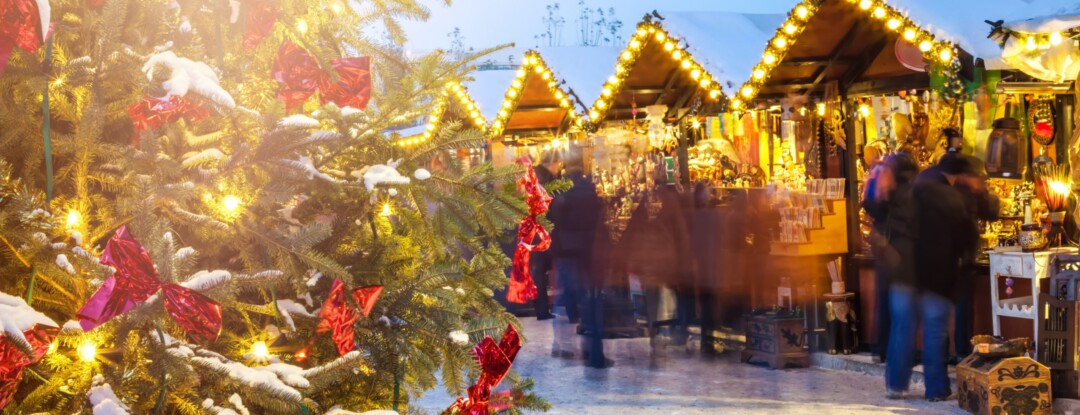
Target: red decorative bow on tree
[13, 358]
[495, 361]
[135, 281]
[20, 24]
[299, 75]
[338, 316]
[261, 18]
[522, 288]
[155, 112]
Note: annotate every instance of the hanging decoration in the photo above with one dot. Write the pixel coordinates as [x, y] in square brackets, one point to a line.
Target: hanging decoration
[25, 336]
[154, 112]
[135, 281]
[1041, 120]
[300, 76]
[23, 23]
[522, 288]
[338, 316]
[495, 362]
[261, 18]
[532, 67]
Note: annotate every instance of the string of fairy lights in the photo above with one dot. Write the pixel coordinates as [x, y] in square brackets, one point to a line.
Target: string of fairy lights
[651, 32]
[933, 50]
[531, 64]
[450, 91]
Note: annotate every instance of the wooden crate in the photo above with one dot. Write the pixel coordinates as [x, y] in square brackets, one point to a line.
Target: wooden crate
[1009, 385]
[778, 341]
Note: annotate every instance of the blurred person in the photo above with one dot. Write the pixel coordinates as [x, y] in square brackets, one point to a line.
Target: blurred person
[981, 205]
[656, 246]
[942, 231]
[541, 262]
[575, 214]
[885, 194]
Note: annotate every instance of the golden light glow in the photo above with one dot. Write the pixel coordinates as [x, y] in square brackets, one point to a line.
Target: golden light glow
[865, 4]
[893, 24]
[676, 54]
[696, 73]
[558, 94]
[909, 34]
[864, 110]
[1055, 38]
[879, 12]
[626, 55]
[945, 55]
[747, 91]
[780, 42]
[301, 26]
[520, 73]
[669, 46]
[516, 83]
[736, 104]
[73, 218]
[641, 31]
[635, 43]
[607, 91]
[759, 73]
[511, 93]
[1058, 187]
[660, 36]
[600, 104]
[386, 210]
[769, 59]
[1030, 44]
[594, 115]
[705, 82]
[337, 8]
[686, 64]
[259, 350]
[714, 94]
[821, 109]
[925, 46]
[802, 12]
[231, 203]
[790, 28]
[87, 352]
[613, 80]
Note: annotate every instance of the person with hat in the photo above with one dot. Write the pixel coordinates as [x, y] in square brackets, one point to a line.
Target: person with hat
[943, 233]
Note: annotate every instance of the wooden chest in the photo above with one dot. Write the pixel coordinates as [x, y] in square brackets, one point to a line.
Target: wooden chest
[778, 340]
[1008, 385]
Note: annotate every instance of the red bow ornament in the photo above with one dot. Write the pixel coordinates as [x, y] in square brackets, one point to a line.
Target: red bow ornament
[22, 23]
[495, 361]
[155, 112]
[34, 332]
[135, 281]
[261, 18]
[300, 76]
[522, 288]
[338, 316]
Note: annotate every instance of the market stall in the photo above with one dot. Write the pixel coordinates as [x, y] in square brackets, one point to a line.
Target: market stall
[455, 105]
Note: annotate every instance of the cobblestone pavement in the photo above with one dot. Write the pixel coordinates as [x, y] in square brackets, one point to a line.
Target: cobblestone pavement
[681, 382]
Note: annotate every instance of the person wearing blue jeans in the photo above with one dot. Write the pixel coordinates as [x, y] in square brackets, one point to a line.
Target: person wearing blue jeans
[910, 306]
[569, 271]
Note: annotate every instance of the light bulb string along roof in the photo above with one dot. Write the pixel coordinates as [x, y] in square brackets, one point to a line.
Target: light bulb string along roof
[647, 32]
[451, 90]
[533, 65]
[879, 11]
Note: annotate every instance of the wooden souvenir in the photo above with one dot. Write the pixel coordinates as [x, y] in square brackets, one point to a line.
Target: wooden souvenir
[1003, 385]
[777, 340]
[841, 324]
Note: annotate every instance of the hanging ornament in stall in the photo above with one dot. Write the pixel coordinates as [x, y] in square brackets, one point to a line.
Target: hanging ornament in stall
[1041, 121]
[522, 288]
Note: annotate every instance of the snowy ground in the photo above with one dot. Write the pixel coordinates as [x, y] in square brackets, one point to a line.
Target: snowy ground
[684, 383]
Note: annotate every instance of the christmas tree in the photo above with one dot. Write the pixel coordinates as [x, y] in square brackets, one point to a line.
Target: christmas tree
[202, 210]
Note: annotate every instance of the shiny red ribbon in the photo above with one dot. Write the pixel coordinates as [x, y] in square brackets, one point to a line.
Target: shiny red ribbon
[338, 316]
[495, 361]
[20, 25]
[135, 281]
[261, 18]
[522, 288]
[300, 76]
[13, 360]
[155, 112]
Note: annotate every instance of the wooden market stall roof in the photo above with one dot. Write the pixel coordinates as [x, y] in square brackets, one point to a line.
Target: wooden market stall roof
[853, 43]
[662, 66]
[535, 101]
[455, 103]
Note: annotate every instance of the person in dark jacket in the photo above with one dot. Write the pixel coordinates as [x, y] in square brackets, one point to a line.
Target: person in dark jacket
[541, 263]
[942, 232]
[886, 198]
[575, 215]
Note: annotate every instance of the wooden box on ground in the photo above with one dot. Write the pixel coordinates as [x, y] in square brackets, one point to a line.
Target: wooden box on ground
[777, 340]
[1005, 385]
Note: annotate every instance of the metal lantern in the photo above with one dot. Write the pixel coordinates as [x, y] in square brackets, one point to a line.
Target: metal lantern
[1005, 152]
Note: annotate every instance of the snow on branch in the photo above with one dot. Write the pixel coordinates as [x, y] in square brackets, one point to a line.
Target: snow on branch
[104, 400]
[17, 317]
[205, 280]
[186, 75]
[305, 165]
[298, 121]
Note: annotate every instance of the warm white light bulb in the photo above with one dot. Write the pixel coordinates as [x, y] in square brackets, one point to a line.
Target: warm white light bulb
[259, 350]
[301, 26]
[230, 203]
[1031, 45]
[87, 352]
[73, 218]
[1055, 38]
[386, 210]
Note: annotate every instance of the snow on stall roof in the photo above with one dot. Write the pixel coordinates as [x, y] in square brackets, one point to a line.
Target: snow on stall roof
[962, 21]
[584, 68]
[727, 44]
[488, 88]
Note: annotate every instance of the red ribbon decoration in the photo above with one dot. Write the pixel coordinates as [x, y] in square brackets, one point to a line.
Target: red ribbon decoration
[13, 360]
[155, 112]
[522, 288]
[20, 24]
[495, 361]
[261, 18]
[338, 316]
[135, 281]
[300, 76]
